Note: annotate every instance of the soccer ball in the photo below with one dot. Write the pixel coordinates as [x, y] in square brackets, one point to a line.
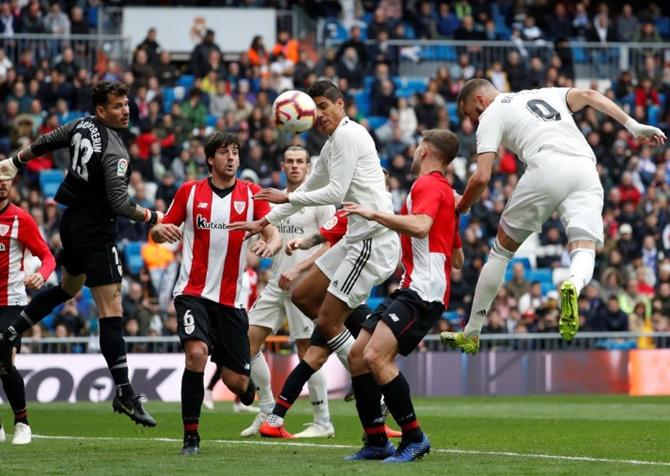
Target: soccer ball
[294, 112]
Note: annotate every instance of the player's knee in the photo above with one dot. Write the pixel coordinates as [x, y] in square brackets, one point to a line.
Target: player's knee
[303, 302]
[196, 358]
[356, 362]
[372, 359]
[236, 383]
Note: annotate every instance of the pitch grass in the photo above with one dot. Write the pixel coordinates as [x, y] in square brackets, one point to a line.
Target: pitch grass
[493, 436]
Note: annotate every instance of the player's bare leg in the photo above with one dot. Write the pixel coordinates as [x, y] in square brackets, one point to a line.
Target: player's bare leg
[192, 393]
[113, 347]
[309, 293]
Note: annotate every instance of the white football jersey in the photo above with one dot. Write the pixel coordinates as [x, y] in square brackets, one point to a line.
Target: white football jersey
[305, 223]
[531, 122]
[348, 170]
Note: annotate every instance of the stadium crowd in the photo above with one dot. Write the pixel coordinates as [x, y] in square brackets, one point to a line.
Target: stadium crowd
[174, 107]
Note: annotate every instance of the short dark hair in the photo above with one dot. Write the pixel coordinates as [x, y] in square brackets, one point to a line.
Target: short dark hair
[470, 88]
[444, 141]
[325, 88]
[217, 140]
[297, 148]
[103, 89]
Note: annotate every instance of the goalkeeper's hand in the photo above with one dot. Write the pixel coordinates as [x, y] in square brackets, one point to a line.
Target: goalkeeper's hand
[8, 168]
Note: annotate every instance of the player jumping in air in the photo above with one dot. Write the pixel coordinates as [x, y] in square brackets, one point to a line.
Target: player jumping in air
[95, 192]
[561, 176]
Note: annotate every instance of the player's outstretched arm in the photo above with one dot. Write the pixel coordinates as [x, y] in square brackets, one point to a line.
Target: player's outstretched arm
[417, 226]
[457, 258]
[269, 244]
[166, 232]
[304, 243]
[578, 99]
[478, 182]
[54, 140]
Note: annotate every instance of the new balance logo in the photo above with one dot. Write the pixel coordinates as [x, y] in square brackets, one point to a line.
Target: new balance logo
[202, 205]
[394, 317]
[247, 366]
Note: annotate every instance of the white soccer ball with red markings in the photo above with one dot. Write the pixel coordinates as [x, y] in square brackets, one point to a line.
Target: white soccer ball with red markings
[294, 112]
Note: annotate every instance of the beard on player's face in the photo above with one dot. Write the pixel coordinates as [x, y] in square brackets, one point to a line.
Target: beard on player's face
[5, 185]
[226, 162]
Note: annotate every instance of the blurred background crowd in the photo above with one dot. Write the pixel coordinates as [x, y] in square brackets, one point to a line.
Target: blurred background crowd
[177, 103]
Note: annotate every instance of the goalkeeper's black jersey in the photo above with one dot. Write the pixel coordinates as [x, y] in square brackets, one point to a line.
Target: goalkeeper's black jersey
[96, 182]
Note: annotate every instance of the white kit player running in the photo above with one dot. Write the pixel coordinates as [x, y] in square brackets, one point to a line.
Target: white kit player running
[348, 170]
[561, 176]
[274, 304]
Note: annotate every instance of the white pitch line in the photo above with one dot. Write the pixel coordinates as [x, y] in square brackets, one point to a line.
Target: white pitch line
[510, 454]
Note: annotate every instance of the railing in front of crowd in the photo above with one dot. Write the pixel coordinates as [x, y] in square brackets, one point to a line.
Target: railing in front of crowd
[90, 51]
[590, 61]
[488, 342]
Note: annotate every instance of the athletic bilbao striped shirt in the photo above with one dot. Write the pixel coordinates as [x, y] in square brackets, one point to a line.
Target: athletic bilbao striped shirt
[18, 232]
[213, 257]
[427, 261]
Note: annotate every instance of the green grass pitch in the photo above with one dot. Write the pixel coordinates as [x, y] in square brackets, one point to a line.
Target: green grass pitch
[565, 435]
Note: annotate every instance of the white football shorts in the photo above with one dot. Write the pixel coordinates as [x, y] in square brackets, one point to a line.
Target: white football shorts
[568, 185]
[273, 305]
[355, 268]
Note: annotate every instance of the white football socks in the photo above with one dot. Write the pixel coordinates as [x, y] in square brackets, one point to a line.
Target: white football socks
[318, 396]
[488, 285]
[260, 373]
[341, 345]
[582, 262]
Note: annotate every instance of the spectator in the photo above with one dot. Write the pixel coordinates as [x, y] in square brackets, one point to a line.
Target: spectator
[647, 33]
[447, 22]
[425, 23]
[67, 66]
[559, 24]
[355, 41]
[56, 21]
[468, 30]
[78, 24]
[627, 24]
[602, 31]
[380, 22]
[286, 47]
[427, 111]
[151, 47]
[194, 111]
[258, 55]
[518, 285]
[200, 55]
[165, 70]
[580, 22]
[351, 68]
[8, 22]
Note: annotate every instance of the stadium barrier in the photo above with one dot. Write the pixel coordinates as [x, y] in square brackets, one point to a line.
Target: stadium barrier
[591, 61]
[503, 367]
[90, 50]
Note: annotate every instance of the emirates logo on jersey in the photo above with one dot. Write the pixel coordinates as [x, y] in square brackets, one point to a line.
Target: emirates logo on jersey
[4, 229]
[203, 223]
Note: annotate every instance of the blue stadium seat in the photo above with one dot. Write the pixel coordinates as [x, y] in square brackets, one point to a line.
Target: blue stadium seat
[367, 83]
[133, 255]
[377, 121]
[510, 267]
[410, 33]
[186, 81]
[50, 180]
[334, 30]
[211, 120]
[663, 26]
[362, 99]
[404, 92]
[464, 222]
[419, 85]
[168, 99]
[446, 53]
[546, 287]
[579, 55]
[540, 274]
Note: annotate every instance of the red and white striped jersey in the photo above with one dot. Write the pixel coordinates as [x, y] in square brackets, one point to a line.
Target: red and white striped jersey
[249, 287]
[213, 257]
[427, 261]
[18, 232]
